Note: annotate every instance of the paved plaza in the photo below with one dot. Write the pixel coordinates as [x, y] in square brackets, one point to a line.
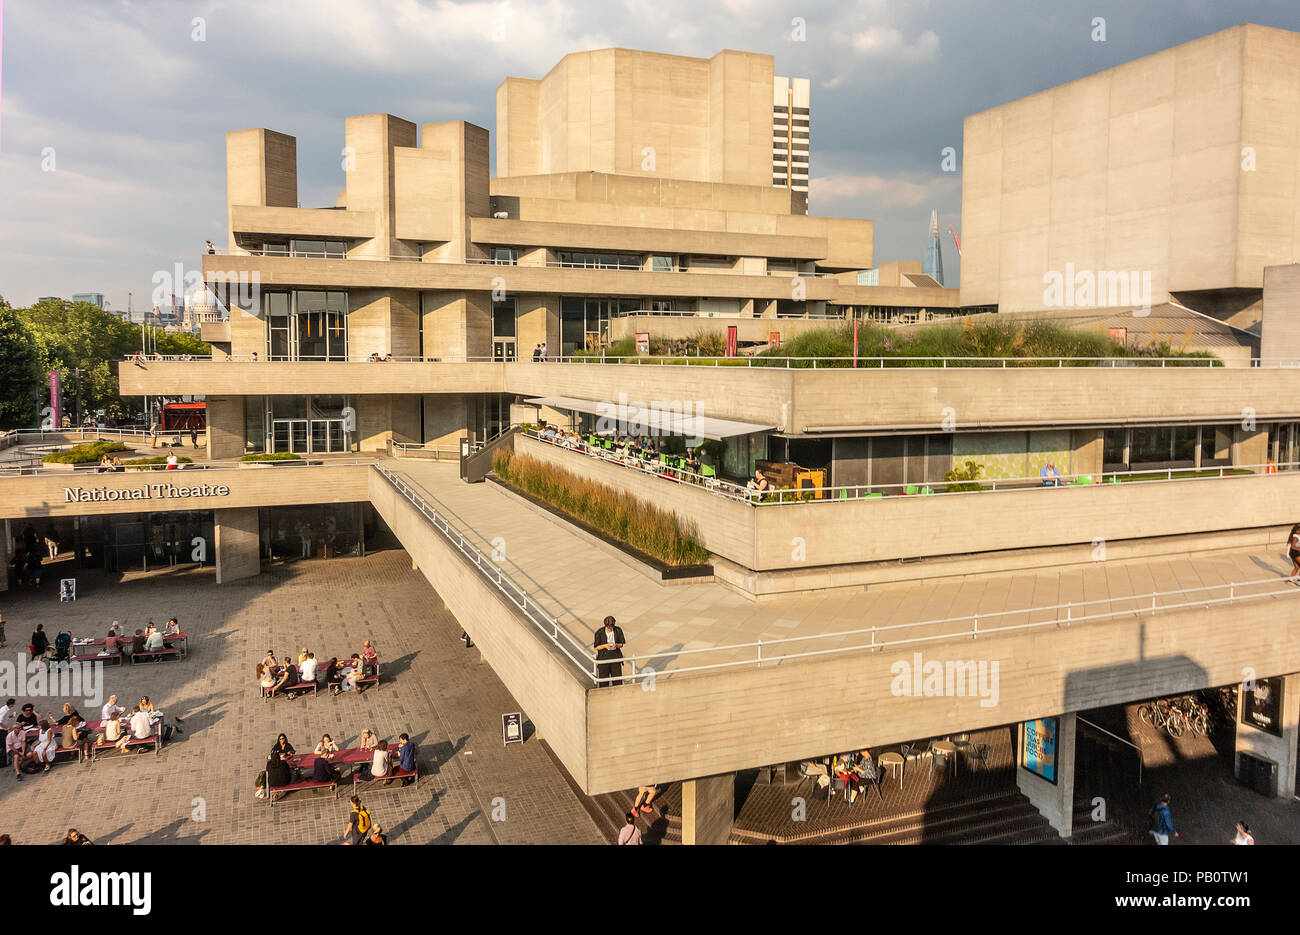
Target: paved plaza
[662, 622]
[200, 790]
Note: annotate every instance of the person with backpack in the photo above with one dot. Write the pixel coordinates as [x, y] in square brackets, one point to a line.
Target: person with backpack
[359, 823]
[40, 642]
[1162, 824]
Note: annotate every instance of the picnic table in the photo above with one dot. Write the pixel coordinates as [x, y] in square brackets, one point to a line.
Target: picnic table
[124, 643]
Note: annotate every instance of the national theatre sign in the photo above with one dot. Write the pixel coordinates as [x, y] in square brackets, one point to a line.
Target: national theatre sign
[145, 492]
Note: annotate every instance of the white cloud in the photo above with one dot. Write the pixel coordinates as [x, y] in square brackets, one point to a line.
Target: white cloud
[900, 189]
[886, 42]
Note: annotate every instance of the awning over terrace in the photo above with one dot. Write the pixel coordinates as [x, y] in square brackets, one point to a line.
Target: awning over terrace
[659, 421]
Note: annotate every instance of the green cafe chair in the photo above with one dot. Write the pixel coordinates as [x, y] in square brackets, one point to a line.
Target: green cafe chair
[708, 470]
[844, 494]
[912, 490]
[873, 496]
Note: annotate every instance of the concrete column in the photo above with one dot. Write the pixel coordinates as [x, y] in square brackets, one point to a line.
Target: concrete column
[225, 427]
[237, 538]
[1054, 801]
[1282, 750]
[708, 809]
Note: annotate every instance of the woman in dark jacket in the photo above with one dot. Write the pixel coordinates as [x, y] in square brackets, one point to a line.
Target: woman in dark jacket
[332, 677]
[39, 641]
[277, 771]
[283, 747]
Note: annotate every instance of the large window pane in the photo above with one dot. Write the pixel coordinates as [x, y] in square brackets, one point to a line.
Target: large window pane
[1151, 444]
[1185, 443]
[1113, 446]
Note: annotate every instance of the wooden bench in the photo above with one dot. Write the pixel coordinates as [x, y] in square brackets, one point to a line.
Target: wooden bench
[357, 781]
[95, 657]
[158, 654]
[300, 686]
[155, 739]
[273, 791]
[365, 681]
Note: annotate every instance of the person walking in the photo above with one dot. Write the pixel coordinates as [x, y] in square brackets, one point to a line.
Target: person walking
[359, 823]
[630, 834]
[609, 642]
[1162, 823]
[40, 642]
[1243, 835]
[537, 353]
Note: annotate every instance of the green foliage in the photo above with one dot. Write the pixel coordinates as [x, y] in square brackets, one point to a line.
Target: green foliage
[66, 336]
[654, 531]
[20, 372]
[86, 452]
[150, 462]
[274, 456]
[1012, 338]
[964, 476]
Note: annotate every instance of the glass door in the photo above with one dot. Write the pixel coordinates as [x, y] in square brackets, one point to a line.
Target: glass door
[290, 435]
[327, 436]
[503, 349]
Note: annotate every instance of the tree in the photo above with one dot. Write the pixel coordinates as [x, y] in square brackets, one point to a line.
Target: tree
[19, 370]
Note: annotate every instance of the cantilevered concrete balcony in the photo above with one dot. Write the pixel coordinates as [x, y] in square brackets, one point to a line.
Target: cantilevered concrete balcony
[802, 401]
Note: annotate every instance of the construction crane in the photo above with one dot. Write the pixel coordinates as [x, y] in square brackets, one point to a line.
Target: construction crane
[954, 239]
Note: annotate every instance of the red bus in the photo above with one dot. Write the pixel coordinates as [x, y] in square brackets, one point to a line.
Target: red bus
[181, 417]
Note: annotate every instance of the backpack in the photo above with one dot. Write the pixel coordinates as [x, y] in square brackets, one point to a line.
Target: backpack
[1153, 818]
[363, 819]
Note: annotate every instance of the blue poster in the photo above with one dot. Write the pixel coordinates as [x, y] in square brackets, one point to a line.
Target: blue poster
[1038, 749]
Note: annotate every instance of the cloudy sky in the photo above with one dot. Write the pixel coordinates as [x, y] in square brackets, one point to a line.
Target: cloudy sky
[112, 158]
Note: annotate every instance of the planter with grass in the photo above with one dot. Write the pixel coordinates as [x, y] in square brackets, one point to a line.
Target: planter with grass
[86, 453]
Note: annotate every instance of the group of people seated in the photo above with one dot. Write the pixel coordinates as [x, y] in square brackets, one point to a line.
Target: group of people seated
[109, 465]
[288, 677]
[147, 639]
[627, 447]
[848, 772]
[376, 359]
[385, 759]
[71, 732]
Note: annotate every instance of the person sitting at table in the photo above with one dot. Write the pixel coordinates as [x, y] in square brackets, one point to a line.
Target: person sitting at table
[27, 718]
[265, 677]
[269, 660]
[758, 481]
[16, 748]
[326, 745]
[288, 677]
[406, 754]
[47, 744]
[141, 726]
[111, 643]
[322, 770]
[1049, 475]
[332, 675]
[283, 747]
[369, 659]
[69, 712]
[76, 837]
[173, 627]
[693, 460]
[379, 763]
[368, 740]
[74, 735]
[137, 642]
[277, 771]
[154, 641]
[351, 672]
[111, 710]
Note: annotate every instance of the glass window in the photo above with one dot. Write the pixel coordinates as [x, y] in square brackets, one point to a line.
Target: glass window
[503, 319]
[1216, 444]
[661, 264]
[1185, 443]
[505, 256]
[254, 423]
[1151, 444]
[600, 260]
[1113, 446]
[275, 249]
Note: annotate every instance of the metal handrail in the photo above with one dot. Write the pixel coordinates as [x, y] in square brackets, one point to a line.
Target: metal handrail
[305, 462]
[491, 570]
[833, 363]
[789, 496]
[1097, 727]
[972, 626]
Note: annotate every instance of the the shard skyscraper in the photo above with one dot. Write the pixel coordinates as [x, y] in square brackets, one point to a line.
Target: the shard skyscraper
[933, 251]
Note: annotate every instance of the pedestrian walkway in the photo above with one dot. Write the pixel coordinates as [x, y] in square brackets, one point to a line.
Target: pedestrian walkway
[200, 790]
[579, 583]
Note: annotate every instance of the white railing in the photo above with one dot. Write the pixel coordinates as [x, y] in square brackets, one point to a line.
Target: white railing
[842, 493]
[820, 363]
[92, 467]
[424, 452]
[758, 653]
[576, 652]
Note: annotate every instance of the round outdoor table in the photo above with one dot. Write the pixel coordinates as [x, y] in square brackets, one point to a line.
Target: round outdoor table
[948, 749]
[894, 762]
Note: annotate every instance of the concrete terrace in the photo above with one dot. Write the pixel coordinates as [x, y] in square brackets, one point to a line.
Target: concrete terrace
[578, 583]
